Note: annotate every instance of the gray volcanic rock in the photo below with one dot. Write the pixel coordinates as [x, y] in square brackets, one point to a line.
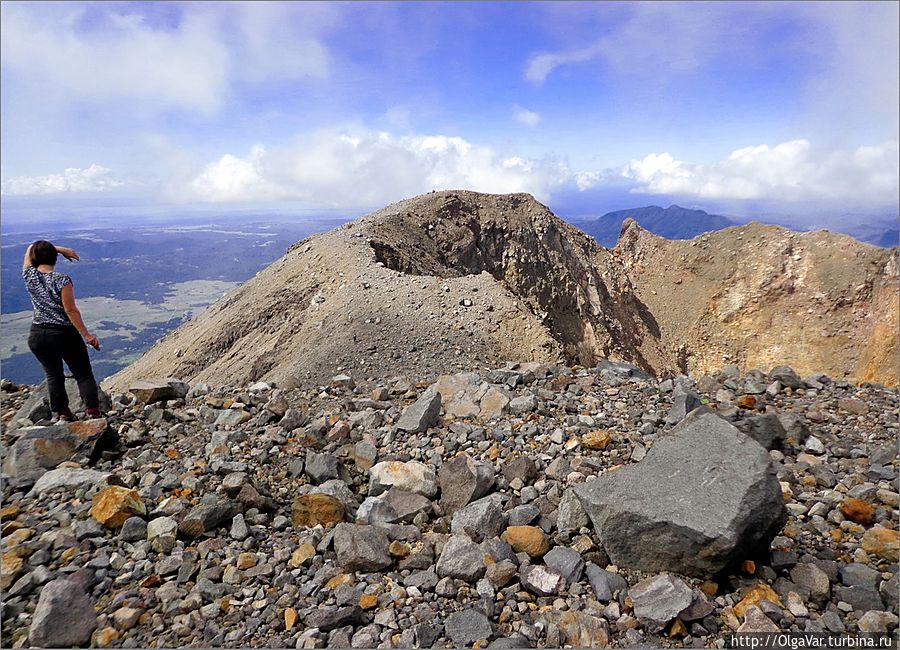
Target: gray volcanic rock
[479, 520]
[468, 626]
[461, 558]
[766, 429]
[565, 561]
[703, 497]
[462, 481]
[321, 467]
[411, 476]
[683, 402]
[68, 477]
[659, 599]
[787, 376]
[362, 548]
[571, 514]
[422, 414]
[64, 616]
[542, 581]
[39, 449]
[204, 517]
[604, 583]
[329, 618]
[149, 391]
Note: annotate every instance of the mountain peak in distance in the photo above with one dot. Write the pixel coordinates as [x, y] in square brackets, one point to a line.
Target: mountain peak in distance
[674, 222]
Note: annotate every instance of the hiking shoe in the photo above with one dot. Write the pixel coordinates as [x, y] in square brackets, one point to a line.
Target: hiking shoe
[92, 413]
[66, 415]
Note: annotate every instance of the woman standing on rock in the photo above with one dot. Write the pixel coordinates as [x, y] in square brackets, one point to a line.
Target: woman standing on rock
[57, 329]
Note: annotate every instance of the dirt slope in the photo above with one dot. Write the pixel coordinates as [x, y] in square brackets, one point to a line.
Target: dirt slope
[441, 282]
[759, 296]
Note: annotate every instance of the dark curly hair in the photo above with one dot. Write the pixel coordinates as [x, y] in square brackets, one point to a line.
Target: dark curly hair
[43, 252]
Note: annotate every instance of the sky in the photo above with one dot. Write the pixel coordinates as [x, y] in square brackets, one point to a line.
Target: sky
[736, 107]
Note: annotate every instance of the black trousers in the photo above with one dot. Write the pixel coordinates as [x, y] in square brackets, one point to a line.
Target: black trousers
[53, 344]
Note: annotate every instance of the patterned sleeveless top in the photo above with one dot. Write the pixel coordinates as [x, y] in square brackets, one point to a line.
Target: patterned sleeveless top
[45, 290]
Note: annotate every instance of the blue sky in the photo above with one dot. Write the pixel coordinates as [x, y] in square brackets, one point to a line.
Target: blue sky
[730, 106]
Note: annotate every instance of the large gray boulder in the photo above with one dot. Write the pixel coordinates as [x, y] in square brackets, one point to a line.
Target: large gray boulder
[39, 449]
[704, 497]
[64, 616]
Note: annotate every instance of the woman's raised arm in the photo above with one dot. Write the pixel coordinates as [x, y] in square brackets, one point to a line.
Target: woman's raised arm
[29, 260]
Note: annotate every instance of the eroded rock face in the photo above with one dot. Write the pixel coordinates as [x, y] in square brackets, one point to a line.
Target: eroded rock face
[555, 269]
[704, 497]
[850, 287]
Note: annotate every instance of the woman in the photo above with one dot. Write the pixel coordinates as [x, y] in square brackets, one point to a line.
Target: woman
[57, 329]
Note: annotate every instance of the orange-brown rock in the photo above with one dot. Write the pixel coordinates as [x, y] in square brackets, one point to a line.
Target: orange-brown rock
[88, 429]
[246, 561]
[754, 595]
[106, 637]
[678, 628]
[302, 554]
[399, 549]
[368, 601]
[113, 505]
[883, 543]
[598, 440]
[313, 509]
[290, 618]
[529, 539]
[338, 580]
[858, 510]
[11, 567]
[746, 402]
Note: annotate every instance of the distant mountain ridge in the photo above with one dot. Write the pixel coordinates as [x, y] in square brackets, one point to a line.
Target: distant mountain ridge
[673, 222]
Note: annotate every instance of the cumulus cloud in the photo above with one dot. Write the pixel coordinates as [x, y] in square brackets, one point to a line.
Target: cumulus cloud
[526, 117]
[188, 59]
[792, 170]
[356, 170]
[95, 178]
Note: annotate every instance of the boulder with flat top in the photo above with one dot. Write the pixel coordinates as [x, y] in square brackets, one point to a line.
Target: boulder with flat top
[705, 497]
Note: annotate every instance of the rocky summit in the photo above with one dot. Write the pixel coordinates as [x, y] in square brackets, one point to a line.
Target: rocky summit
[528, 505]
[456, 281]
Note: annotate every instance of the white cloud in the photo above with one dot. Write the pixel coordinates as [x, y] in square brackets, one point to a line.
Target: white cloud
[365, 169]
[789, 171]
[524, 116]
[235, 179]
[634, 46]
[95, 178]
[541, 65]
[119, 52]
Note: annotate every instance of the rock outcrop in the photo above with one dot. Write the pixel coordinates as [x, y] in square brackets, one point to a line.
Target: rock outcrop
[758, 296]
